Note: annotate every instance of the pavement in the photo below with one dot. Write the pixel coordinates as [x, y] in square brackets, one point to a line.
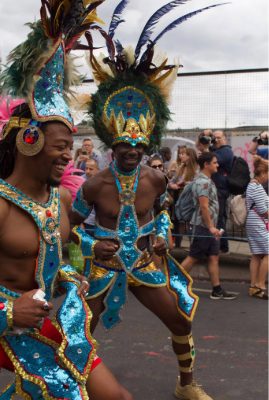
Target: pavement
[231, 339]
[234, 266]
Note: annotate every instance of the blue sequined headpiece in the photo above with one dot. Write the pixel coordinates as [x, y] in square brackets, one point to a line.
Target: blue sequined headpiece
[129, 116]
[39, 71]
[47, 101]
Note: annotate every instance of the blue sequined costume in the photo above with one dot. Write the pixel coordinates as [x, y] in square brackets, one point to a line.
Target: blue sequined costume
[130, 265]
[43, 368]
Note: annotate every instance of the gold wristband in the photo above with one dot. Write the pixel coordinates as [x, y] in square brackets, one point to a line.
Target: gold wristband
[10, 314]
[92, 247]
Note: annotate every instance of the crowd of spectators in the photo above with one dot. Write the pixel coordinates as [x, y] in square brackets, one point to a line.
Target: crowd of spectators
[207, 165]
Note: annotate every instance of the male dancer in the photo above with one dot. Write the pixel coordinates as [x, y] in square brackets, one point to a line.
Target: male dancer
[52, 358]
[129, 112]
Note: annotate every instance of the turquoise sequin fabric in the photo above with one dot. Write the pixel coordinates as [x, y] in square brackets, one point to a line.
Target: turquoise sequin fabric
[114, 279]
[48, 95]
[45, 368]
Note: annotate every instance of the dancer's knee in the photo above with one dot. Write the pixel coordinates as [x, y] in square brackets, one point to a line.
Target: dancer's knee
[180, 326]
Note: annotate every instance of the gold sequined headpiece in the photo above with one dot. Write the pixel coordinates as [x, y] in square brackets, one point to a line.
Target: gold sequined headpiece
[134, 85]
[129, 116]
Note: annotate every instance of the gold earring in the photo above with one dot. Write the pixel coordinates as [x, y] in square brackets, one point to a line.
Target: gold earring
[30, 140]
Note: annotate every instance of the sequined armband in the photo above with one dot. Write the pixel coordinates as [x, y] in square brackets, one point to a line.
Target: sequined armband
[162, 225]
[6, 315]
[86, 243]
[80, 205]
[68, 269]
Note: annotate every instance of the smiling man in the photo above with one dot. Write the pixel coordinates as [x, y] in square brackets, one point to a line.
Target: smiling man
[52, 356]
[131, 224]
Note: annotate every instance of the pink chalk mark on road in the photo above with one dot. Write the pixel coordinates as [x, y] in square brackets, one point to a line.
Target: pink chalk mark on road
[208, 337]
[153, 354]
[262, 341]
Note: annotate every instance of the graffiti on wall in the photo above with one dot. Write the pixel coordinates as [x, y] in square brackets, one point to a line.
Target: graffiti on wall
[243, 151]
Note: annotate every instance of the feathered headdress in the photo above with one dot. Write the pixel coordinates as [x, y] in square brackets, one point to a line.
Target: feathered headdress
[40, 70]
[131, 104]
[7, 106]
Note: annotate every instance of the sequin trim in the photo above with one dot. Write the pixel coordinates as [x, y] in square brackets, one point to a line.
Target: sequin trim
[61, 351]
[24, 374]
[10, 314]
[163, 224]
[192, 295]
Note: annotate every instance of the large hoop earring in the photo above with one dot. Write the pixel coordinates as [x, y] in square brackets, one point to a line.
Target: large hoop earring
[30, 140]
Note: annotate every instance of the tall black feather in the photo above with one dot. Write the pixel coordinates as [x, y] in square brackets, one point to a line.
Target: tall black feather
[179, 21]
[119, 46]
[147, 30]
[115, 20]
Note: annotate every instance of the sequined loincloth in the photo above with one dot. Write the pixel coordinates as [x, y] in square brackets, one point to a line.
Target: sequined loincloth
[101, 268]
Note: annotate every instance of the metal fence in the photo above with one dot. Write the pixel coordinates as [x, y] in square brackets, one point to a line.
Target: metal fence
[217, 99]
[235, 100]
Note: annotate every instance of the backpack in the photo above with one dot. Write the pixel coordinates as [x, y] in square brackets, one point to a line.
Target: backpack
[239, 177]
[238, 210]
[185, 205]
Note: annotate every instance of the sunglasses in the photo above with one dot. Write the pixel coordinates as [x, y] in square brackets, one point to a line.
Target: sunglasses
[159, 166]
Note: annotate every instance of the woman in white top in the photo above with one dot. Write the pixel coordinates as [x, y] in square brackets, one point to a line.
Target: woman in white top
[257, 203]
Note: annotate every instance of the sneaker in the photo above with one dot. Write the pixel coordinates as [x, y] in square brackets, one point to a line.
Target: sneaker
[190, 392]
[222, 295]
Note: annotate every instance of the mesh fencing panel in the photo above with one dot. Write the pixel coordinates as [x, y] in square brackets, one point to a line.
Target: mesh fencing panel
[217, 99]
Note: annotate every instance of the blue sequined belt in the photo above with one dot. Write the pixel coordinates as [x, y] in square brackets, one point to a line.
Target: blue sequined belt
[118, 267]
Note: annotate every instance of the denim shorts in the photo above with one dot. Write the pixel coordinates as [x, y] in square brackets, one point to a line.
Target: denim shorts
[203, 243]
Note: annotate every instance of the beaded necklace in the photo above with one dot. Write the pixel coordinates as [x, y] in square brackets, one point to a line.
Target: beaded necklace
[126, 182]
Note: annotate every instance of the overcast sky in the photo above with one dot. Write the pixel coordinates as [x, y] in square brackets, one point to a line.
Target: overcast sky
[232, 36]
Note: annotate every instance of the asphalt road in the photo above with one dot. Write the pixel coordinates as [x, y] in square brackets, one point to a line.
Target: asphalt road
[231, 344]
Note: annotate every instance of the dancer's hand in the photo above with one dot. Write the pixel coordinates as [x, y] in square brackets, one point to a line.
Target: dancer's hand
[28, 312]
[84, 285]
[160, 246]
[105, 249]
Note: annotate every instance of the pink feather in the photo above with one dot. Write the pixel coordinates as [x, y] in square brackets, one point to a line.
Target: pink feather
[7, 105]
[70, 181]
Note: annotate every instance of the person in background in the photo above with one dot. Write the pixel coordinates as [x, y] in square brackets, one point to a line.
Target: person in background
[90, 171]
[185, 174]
[257, 203]
[204, 141]
[255, 146]
[174, 165]
[88, 153]
[187, 169]
[156, 162]
[77, 154]
[91, 168]
[225, 157]
[205, 234]
[166, 154]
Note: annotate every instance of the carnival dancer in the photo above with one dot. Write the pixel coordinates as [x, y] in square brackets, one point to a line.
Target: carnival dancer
[51, 358]
[129, 112]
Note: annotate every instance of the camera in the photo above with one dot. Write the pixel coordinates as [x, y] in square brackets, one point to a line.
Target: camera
[261, 141]
[84, 152]
[205, 140]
